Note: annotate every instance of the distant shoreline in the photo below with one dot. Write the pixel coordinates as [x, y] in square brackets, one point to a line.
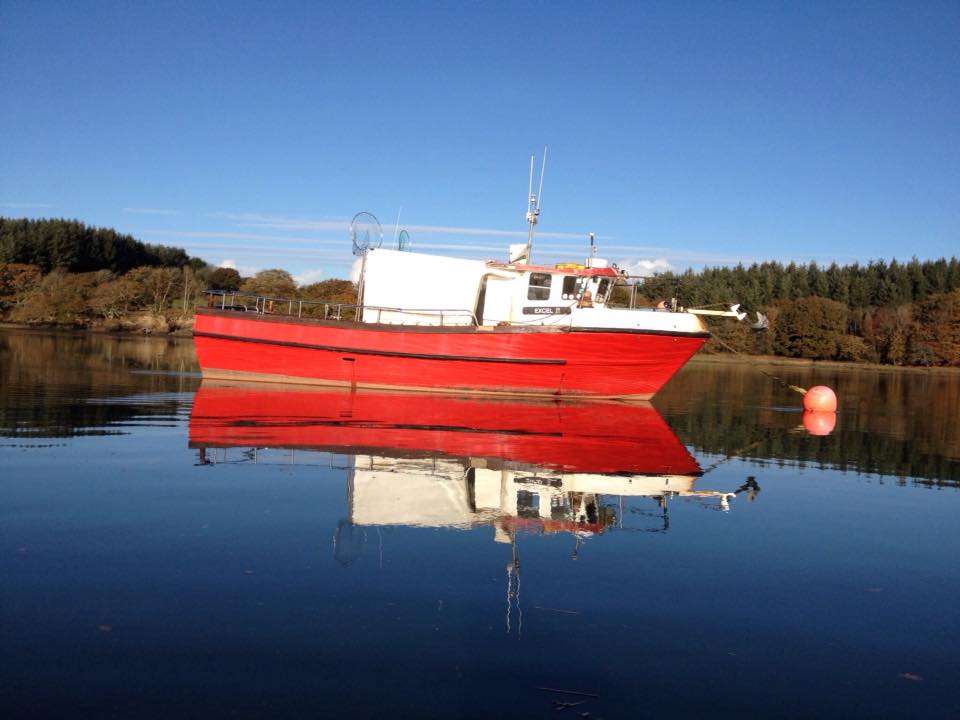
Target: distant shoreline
[96, 329]
[777, 360]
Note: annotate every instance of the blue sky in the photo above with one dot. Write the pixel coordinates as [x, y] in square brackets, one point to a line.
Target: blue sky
[683, 134]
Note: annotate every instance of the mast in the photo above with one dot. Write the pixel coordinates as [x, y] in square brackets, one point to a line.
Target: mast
[533, 203]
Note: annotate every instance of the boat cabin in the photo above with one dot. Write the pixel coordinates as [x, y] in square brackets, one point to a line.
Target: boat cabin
[413, 288]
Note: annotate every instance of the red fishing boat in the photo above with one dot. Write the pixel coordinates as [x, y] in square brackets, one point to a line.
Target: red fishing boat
[442, 324]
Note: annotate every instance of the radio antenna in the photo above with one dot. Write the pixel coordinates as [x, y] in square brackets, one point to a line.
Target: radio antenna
[543, 167]
[533, 203]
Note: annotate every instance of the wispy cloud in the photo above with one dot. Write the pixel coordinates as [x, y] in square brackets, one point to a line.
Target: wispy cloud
[26, 205]
[244, 270]
[277, 222]
[309, 276]
[343, 225]
[150, 211]
[326, 241]
[270, 255]
[250, 244]
[489, 232]
[634, 266]
[252, 237]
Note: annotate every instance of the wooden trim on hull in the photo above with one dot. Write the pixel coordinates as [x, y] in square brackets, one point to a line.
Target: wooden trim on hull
[294, 380]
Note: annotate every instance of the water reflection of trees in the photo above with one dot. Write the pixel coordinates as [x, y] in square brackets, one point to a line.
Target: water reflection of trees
[900, 424]
[48, 381]
[893, 423]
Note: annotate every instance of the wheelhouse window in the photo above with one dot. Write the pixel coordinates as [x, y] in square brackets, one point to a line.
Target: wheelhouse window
[571, 287]
[602, 290]
[539, 286]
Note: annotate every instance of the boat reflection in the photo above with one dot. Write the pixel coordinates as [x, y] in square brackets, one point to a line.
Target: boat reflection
[439, 461]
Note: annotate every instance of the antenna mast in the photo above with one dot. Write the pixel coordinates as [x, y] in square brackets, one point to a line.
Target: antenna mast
[533, 203]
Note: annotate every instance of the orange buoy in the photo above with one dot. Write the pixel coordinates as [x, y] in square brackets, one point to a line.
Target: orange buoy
[819, 422]
[820, 398]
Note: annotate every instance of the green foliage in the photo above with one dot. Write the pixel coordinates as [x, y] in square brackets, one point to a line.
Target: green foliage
[887, 330]
[224, 279]
[896, 313]
[936, 336]
[16, 283]
[809, 328]
[877, 284]
[71, 245]
[60, 298]
[728, 336]
[852, 348]
[273, 283]
[80, 299]
[116, 297]
[332, 291]
[157, 285]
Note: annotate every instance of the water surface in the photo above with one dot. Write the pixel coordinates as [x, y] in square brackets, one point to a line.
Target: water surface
[170, 548]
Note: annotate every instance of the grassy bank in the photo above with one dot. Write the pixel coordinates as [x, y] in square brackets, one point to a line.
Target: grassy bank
[777, 361]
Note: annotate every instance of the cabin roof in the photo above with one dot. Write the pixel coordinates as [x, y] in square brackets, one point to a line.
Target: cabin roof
[582, 272]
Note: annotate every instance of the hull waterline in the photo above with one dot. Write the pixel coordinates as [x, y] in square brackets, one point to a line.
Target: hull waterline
[531, 361]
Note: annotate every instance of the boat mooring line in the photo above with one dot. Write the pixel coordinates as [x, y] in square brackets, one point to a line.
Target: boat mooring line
[785, 384]
[384, 353]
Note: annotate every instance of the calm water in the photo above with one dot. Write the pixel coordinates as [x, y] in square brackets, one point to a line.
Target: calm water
[171, 549]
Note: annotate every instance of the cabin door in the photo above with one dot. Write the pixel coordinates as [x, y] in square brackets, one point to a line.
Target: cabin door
[481, 301]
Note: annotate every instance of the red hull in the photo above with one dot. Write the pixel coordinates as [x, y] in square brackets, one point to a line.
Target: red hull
[564, 436]
[511, 360]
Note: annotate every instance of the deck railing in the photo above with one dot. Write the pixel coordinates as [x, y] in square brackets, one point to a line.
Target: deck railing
[319, 310]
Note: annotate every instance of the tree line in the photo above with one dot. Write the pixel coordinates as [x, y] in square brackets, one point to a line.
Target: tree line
[75, 247]
[62, 272]
[150, 299]
[893, 313]
[877, 284]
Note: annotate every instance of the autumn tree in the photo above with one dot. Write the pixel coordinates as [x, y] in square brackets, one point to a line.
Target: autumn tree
[191, 287]
[16, 282]
[61, 298]
[936, 336]
[271, 283]
[888, 332]
[332, 291]
[809, 328]
[117, 297]
[157, 285]
[224, 278]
